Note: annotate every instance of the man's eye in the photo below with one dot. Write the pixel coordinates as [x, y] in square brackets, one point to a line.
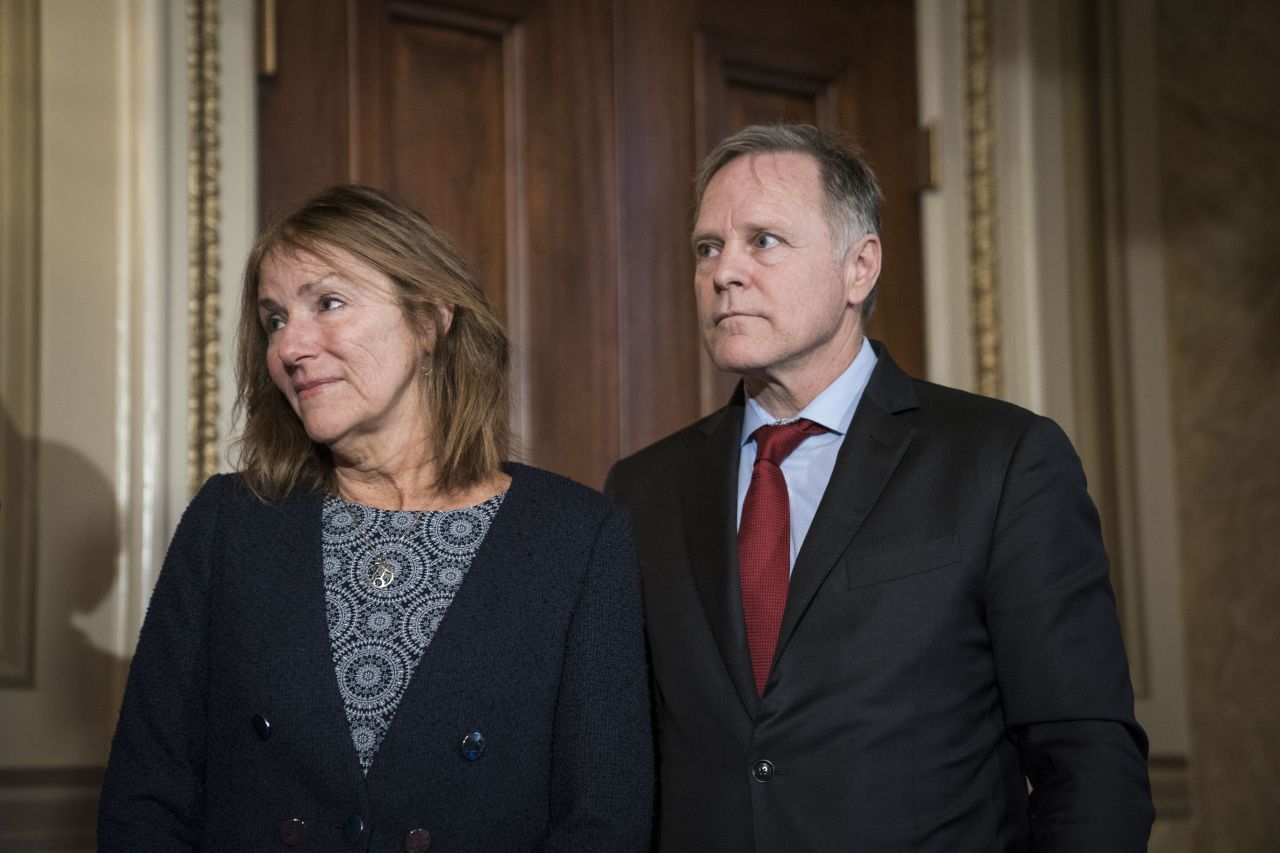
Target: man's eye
[765, 241]
[706, 250]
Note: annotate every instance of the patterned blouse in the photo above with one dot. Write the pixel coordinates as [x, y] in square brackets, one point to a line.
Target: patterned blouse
[389, 577]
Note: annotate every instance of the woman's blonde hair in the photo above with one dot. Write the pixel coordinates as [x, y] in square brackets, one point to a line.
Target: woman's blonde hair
[466, 386]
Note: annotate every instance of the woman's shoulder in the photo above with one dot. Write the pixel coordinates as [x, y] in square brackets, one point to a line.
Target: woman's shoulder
[540, 479]
[230, 494]
[556, 492]
[565, 517]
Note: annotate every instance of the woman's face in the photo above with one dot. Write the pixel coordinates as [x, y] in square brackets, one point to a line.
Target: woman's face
[341, 352]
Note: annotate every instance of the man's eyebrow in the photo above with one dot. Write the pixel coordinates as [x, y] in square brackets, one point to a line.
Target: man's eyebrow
[754, 227]
[701, 237]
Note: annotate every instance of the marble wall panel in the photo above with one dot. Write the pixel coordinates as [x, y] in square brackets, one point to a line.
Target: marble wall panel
[1219, 118]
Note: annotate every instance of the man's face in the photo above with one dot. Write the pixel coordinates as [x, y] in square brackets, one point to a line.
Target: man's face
[774, 301]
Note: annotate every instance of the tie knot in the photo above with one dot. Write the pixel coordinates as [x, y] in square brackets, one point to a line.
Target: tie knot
[774, 442]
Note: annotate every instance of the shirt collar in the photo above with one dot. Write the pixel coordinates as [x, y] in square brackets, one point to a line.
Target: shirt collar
[833, 408]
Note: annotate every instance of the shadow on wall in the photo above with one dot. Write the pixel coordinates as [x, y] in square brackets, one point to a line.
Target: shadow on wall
[58, 725]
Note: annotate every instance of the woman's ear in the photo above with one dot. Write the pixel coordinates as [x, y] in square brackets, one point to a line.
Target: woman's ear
[444, 313]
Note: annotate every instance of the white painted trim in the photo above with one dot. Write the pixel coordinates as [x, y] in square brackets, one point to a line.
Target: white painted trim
[1028, 218]
[949, 350]
[238, 227]
[1163, 710]
[176, 307]
[141, 333]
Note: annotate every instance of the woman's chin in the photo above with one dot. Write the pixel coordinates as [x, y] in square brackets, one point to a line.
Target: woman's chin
[322, 433]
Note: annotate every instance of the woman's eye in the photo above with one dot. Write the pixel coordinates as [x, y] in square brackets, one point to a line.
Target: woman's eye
[273, 323]
[765, 241]
[329, 303]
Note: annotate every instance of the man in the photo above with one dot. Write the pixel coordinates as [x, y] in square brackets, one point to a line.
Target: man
[874, 627]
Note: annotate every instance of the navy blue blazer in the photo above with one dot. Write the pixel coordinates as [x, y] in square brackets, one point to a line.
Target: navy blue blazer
[541, 651]
[949, 634]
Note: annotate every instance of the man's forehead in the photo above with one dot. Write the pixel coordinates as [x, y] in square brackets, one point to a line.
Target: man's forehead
[771, 168]
[785, 178]
[779, 165]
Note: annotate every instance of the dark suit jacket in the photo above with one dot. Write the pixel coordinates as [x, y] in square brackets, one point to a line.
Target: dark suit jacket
[950, 632]
[541, 651]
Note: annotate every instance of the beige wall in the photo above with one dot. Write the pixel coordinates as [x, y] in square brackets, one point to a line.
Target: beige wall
[59, 723]
[1219, 157]
[62, 719]
[104, 429]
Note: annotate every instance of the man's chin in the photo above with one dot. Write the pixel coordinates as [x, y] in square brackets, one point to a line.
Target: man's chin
[730, 355]
[739, 365]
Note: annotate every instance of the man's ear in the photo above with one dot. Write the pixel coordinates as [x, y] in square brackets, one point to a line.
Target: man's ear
[862, 268]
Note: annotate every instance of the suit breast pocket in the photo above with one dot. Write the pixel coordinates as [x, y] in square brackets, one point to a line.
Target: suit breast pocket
[901, 561]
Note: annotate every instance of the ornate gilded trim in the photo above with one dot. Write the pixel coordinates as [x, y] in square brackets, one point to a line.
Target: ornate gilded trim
[983, 278]
[203, 255]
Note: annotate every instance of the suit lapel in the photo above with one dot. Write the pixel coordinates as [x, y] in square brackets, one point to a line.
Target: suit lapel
[710, 497]
[872, 449]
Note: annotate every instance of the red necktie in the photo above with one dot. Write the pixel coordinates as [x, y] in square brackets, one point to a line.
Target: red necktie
[764, 541]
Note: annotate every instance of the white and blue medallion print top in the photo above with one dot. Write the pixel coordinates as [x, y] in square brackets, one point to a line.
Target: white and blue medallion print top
[389, 577]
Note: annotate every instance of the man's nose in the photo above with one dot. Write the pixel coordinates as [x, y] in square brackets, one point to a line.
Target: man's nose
[730, 267]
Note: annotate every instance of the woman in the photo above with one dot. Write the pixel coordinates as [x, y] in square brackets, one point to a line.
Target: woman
[377, 636]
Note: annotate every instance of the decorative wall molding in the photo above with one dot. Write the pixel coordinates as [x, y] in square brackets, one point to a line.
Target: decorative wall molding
[49, 808]
[19, 344]
[204, 247]
[1105, 370]
[1171, 786]
[1139, 344]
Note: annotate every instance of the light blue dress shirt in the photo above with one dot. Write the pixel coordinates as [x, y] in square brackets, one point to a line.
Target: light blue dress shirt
[808, 469]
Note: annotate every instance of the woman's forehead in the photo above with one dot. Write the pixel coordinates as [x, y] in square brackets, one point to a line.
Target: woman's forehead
[296, 263]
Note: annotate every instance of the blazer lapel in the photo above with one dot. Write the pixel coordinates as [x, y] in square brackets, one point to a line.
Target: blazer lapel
[710, 498]
[872, 449]
[483, 599]
[298, 613]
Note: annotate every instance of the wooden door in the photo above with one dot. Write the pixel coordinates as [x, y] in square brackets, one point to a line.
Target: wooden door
[556, 141]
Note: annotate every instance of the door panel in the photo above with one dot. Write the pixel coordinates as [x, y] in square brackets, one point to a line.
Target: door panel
[436, 94]
[556, 141]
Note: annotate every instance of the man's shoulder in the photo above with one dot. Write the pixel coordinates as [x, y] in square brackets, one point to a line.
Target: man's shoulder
[962, 407]
[983, 428]
[676, 446]
[653, 467]
[922, 403]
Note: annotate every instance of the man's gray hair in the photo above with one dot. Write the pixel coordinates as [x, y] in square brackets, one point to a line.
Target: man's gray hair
[852, 194]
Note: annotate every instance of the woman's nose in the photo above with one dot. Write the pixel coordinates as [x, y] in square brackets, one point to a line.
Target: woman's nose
[295, 341]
